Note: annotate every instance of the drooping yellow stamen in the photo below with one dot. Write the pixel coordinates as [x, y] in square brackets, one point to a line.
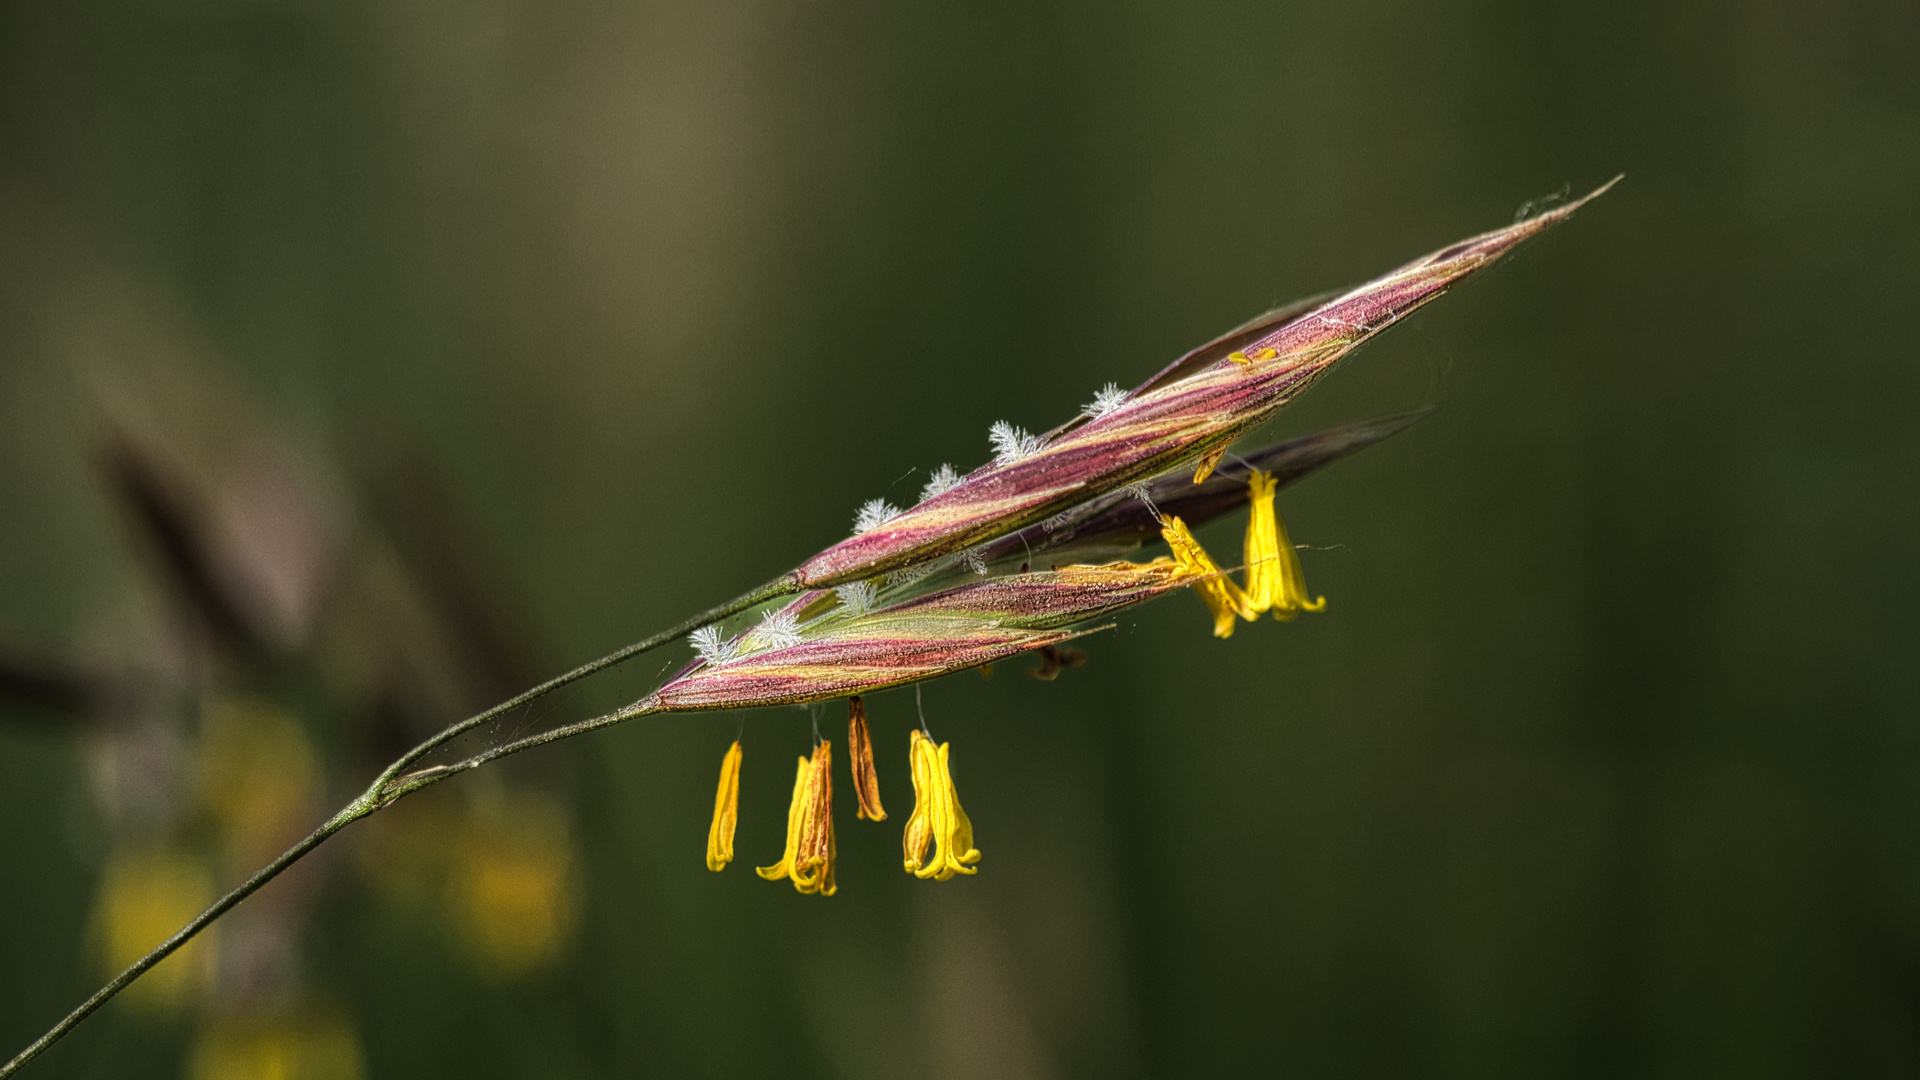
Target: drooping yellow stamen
[726, 811]
[1222, 596]
[1263, 545]
[808, 860]
[866, 782]
[796, 813]
[1208, 462]
[937, 816]
[1275, 581]
[919, 830]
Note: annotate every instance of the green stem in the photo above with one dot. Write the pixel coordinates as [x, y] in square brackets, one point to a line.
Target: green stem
[777, 587]
[407, 783]
[384, 790]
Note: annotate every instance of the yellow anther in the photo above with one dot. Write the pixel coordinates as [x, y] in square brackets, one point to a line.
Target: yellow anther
[726, 811]
[1221, 595]
[1208, 462]
[810, 846]
[937, 817]
[1275, 581]
[866, 781]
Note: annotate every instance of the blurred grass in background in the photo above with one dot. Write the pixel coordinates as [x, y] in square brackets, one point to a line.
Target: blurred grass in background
[489, 337]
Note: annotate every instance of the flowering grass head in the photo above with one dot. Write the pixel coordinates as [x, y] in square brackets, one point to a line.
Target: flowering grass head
[935, 589]
[1012, 557]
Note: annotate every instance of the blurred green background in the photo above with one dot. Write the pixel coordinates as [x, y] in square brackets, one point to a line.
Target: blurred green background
[1603, 761]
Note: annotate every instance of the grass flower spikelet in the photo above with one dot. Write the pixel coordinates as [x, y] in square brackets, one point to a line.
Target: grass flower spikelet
[1201, 402]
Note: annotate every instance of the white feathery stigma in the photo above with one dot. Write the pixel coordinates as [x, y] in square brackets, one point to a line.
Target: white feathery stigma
[857, 596]
[912, 573]
[1143, 491]
[975, 561]
[778, 629]
[1057, 522]
[873, 514]
[713, 646]
[942, 481]
[1108, 399]
[1010, 443]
